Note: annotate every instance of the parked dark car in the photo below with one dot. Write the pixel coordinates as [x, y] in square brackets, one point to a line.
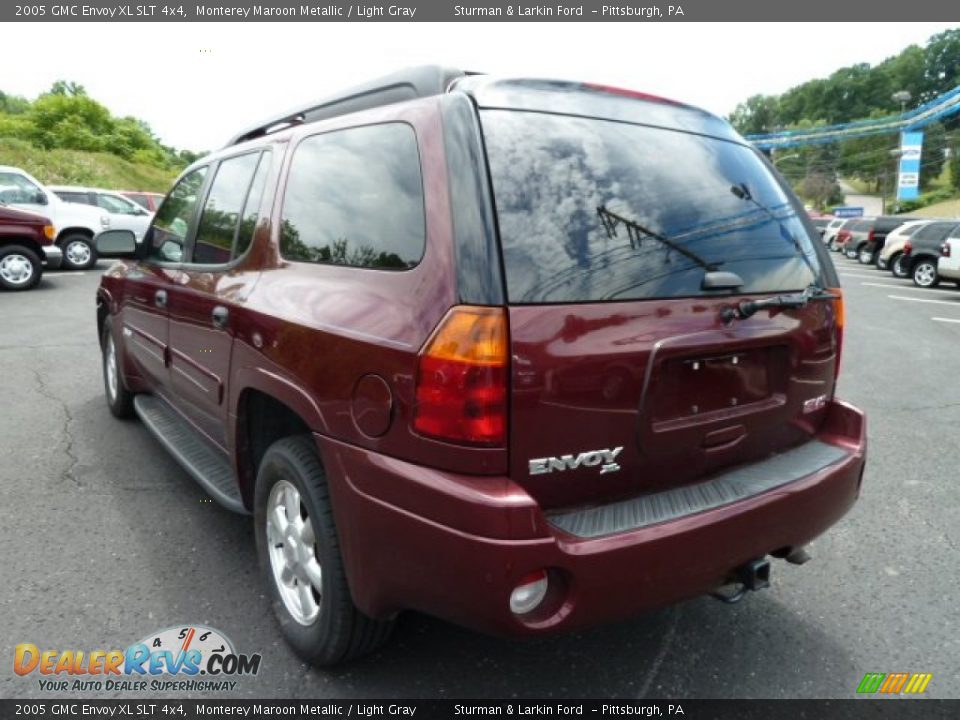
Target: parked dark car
[26, 243]
[921, 252]
[868, 250]
[524, 355]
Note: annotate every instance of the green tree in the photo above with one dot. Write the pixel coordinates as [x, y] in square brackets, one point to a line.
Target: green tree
[13, 104]
[942, 63]
[955, 166]
[758, 114]
[931, 156]
[69, 121]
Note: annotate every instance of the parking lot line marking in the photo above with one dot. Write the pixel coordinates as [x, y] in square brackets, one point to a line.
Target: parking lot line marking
[935, 302]
[68, 274]
[904, 288]
[950, 320]
[869, 276]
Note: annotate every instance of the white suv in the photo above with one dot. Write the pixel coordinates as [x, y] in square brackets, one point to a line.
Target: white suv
[76, 225]
[948, 266]
[124, 213]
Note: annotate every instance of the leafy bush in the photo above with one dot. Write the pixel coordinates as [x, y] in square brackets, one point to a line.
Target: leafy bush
[66, 118]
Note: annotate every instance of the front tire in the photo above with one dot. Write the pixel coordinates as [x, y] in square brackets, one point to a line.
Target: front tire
[119, 399]
[79, 252]
[299, 554]
[20, 268]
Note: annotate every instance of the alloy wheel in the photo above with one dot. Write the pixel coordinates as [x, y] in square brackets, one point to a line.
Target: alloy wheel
[293, 553]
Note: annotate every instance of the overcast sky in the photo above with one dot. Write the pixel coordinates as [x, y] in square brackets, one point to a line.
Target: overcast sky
[197, 83]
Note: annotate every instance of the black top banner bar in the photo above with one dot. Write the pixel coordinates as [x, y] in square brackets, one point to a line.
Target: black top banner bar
[480, 11]
[887, 709]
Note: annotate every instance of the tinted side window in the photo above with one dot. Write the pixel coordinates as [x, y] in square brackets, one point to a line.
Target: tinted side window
[74, 197]
[116, 205]
[17, 189]
[140, 200]
[221, 213]
[355, 197]
[251, 209]
[170, 225]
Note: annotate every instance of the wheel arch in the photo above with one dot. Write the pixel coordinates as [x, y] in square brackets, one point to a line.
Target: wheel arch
[267, 409]
[26, 242]
[68, 231]
[104, 304]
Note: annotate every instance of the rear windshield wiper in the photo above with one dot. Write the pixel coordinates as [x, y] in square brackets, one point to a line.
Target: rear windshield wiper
[713, 279]
[747, 308]
[635, 232]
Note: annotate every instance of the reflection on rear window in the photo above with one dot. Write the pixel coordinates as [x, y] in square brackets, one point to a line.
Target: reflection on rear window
[558, 180]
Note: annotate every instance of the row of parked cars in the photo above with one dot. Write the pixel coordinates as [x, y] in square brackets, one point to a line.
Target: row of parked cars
[54, 226]
[926, 250]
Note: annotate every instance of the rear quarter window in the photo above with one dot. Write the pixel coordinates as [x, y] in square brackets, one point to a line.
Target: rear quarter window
[571, 193]
[355, 197]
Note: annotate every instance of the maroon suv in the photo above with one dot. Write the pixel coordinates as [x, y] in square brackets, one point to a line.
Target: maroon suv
[26, 243]
[524, 355]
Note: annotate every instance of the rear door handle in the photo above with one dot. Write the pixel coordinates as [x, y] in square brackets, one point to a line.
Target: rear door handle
[220, 316]
[160, 298]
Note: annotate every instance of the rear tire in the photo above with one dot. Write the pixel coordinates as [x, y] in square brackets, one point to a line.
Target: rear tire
[897, 266]
[924, 274]
[20, 268]
[119, 399]
[865, 257]
[79, 252]
[299, 554]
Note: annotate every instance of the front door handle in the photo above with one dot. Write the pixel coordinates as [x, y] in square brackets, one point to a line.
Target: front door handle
[220, 316]
[160, 298]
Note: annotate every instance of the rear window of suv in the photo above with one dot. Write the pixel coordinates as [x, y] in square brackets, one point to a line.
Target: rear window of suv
[576, 197]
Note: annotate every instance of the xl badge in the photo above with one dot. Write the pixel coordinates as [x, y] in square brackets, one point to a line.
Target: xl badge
[591, 458]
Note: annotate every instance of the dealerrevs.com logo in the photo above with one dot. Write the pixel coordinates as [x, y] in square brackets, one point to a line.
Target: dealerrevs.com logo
[189, 658]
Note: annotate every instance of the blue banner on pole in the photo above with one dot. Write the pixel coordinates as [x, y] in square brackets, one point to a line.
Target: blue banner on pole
[908, 180]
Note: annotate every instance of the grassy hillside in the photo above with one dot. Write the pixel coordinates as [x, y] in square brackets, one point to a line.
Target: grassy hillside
[77, 167]
[947, 209]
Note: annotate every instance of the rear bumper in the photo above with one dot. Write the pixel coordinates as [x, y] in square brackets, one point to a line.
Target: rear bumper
[455, 546]
[53, 256]
[949, 268]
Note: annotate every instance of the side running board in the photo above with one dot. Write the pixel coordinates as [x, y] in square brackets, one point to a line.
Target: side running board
[207, 466]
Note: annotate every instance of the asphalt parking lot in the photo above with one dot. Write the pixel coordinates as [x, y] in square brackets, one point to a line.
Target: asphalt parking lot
[104, 539]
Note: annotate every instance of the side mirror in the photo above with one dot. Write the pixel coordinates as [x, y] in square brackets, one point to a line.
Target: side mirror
[116, 243]
[40, 198]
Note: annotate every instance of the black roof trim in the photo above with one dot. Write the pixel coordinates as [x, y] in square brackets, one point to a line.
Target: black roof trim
[416, 82]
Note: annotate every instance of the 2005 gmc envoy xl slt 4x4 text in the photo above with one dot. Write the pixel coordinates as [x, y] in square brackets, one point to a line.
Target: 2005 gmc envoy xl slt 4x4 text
[525, 355]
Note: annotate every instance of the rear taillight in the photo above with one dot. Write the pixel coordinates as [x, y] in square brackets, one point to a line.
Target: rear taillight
[945, 249]
[907, 248]
[838, 322]
[871, 235]
[462, 379]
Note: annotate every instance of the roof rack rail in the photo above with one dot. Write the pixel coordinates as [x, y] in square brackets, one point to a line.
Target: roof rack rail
[415, 82]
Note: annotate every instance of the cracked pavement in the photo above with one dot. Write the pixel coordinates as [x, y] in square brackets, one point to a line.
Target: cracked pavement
[104, 539]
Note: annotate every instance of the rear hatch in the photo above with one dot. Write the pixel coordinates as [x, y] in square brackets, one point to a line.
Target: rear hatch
[626, 379]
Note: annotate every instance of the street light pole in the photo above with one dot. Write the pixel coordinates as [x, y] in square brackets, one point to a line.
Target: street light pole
[895, 153]
[902, 97]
